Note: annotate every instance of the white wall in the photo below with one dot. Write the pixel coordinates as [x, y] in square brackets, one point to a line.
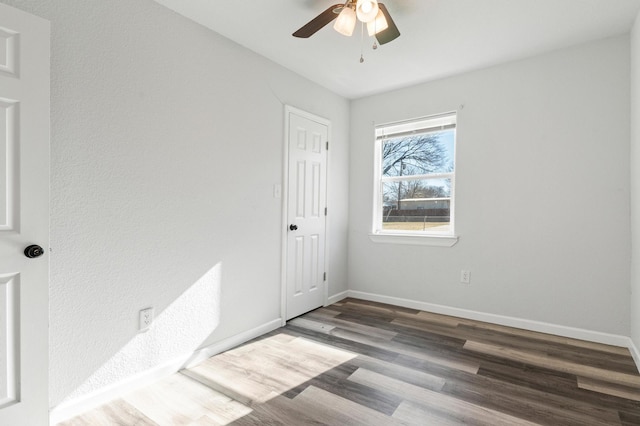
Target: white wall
[542, 191]
[635, 183]
[166, 142]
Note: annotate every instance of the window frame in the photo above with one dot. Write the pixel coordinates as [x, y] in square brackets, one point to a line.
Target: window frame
[418, 126]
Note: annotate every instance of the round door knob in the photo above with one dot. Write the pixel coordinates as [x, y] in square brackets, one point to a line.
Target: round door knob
[33, 251]
[293, 227]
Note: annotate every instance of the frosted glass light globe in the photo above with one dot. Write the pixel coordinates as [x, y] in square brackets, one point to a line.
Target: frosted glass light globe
[367, 10]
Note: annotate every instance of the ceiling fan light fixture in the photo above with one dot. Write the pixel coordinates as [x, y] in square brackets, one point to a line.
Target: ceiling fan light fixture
[378, 24]
[346, 22]
[367, 10]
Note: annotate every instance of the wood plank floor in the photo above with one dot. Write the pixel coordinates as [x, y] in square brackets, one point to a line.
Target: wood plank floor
[365, 363]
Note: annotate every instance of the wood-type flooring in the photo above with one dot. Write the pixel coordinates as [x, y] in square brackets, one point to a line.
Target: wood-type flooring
[364, 363]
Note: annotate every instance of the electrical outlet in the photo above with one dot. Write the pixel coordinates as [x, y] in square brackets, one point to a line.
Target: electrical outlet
[146, 318]
[465, 277]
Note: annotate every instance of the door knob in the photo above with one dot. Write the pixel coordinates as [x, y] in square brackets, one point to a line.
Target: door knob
[293, 227]
[33, 251]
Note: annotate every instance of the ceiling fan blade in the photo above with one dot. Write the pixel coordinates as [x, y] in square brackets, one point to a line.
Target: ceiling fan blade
[392, 32]
[311, 27]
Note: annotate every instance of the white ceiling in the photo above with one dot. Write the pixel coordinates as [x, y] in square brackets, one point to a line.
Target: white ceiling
[439, 37]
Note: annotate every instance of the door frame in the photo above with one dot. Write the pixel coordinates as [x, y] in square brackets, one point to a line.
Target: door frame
[288, 110]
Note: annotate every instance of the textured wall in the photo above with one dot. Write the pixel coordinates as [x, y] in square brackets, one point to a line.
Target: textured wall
[540, 143]
[166, 142]
[635, 183]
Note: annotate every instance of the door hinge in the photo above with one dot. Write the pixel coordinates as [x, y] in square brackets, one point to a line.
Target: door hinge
[327, 145]
[324, 277]
[325, 211]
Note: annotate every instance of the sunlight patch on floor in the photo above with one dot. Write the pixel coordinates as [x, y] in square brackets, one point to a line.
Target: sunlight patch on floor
[261, 370]
[181, 400]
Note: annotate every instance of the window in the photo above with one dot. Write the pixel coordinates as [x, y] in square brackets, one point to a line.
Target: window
[415, 178]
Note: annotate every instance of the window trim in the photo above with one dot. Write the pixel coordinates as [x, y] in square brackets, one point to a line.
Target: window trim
[415, 240]
[418, 126]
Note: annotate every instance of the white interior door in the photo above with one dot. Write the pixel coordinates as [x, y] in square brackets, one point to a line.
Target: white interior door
[306, 212]
[24, 218]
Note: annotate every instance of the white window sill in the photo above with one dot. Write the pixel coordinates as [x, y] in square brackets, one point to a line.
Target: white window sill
[419, 240]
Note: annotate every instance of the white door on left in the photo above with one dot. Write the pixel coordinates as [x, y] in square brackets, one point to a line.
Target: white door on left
[24, 218]
[307, 137]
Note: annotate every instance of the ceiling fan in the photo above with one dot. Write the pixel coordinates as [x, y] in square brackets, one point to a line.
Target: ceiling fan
[370, 12]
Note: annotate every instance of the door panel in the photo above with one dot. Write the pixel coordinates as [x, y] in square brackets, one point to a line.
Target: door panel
[24, 217]
[305, 251]
[8, 161]
[8, 339]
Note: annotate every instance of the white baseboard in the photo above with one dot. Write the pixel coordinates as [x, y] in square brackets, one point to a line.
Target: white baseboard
[337, 297]
[77, 406]
[525, 324]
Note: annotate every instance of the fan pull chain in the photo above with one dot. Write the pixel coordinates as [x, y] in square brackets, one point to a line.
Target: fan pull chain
[375, 40]
[362, 44]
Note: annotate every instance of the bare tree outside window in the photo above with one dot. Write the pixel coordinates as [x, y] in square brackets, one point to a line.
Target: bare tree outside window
[415, 155]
